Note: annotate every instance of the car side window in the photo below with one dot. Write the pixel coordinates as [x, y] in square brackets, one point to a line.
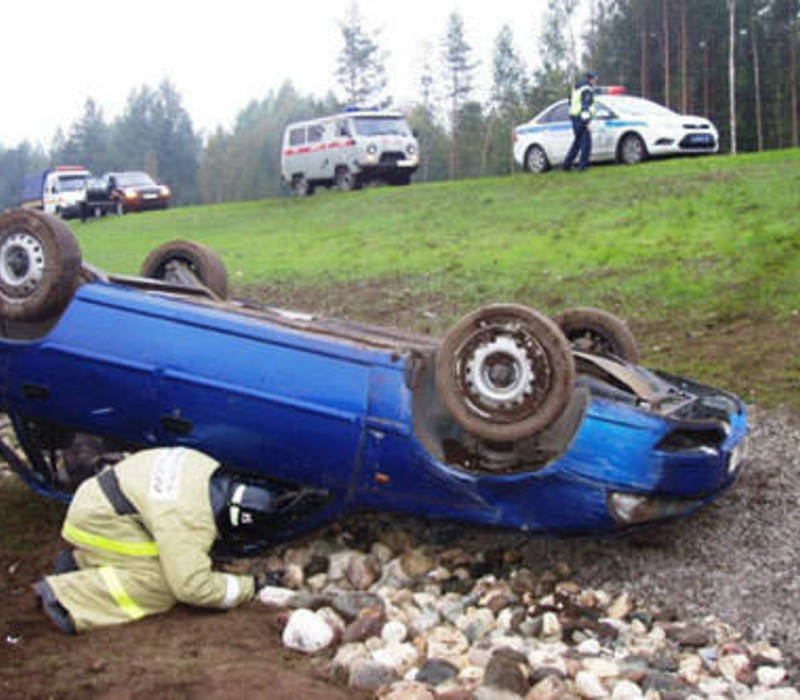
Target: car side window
[342, 129]
[315, 132]
[559, 113]
[297, 137]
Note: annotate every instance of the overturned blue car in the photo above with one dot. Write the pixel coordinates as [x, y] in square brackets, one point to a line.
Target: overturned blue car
[513, 419]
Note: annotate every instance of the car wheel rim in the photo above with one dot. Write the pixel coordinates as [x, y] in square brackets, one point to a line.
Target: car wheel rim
[504, 372]
[22, 264]
[633, 151]
[536, 160]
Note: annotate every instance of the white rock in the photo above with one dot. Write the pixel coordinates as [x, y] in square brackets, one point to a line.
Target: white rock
[337, 564]
[407, 690]
[446, 642]
[475, 622]
[347, 654]
[732, 665]
[602, 668]
[306, 631]
[439, 574]
[602, 598]
[621, 606]
[424, 620]
[713, 686]
[276, 596]
[396, 655]
[589, 647]
[374, 643]
[770, 675]
[691, 669]
[293, 577]
[394, 631]
[589, 686]
[765, 649]
[381, 551]
[780, 694]
[551, 627]
[626, 690]
[425, 600]
[471, 674]
[316, 582]
[333, 618]
[504, 618]
[638, 628]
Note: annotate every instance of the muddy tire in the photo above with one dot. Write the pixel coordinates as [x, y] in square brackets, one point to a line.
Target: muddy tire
[505, 372]
[301, 187]
[173, 261]
[40, 264]
[598, 332]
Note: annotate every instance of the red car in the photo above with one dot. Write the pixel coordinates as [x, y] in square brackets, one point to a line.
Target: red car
[138, 191]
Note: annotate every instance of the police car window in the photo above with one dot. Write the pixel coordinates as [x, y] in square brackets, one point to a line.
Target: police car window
[297, 136]
[559, 113]
[315, 132]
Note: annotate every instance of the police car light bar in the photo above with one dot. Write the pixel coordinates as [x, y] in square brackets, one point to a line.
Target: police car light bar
[610, 90]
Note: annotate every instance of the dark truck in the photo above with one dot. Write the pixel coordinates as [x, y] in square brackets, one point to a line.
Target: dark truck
[102, 197]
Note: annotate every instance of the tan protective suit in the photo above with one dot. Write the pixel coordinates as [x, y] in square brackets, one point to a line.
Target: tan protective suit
[156, 553]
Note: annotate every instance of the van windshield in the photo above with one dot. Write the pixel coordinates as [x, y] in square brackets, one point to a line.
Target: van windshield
[71, 183]
[379, 126]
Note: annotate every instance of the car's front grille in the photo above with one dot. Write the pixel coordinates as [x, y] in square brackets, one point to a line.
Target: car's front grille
[697, 142]
[391, 157]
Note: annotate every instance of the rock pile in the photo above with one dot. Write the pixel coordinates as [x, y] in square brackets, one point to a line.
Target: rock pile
[422, 622]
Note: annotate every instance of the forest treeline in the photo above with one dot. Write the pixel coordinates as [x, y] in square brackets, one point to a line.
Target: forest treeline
[734, 61]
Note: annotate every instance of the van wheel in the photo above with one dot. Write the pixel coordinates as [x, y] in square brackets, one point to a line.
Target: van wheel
[505, 372]
[301, 187]
[598, 332]
[187, 263]
[40, 263]
[347, 180]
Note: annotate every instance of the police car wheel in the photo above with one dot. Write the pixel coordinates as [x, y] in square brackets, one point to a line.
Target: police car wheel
[505, 372]
[40, 264]
[632, 150]
[536, 160]
[179, 261]
[598, 332]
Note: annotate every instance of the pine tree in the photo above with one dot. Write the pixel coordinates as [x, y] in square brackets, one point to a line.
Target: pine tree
[361, 65]
[459, 69]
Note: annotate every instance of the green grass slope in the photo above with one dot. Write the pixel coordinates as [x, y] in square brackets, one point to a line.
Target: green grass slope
[702, 255]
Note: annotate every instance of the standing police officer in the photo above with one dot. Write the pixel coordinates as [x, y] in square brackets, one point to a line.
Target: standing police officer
[143, 532]
[581, 111]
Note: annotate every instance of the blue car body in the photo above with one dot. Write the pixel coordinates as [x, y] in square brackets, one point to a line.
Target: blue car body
[336, 406]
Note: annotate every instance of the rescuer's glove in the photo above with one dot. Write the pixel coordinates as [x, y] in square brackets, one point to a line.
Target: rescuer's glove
[586, 115]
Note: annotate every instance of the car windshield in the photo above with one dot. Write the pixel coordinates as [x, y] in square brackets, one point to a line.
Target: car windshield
[134, 180]
[71, 183]
[379, 126]
[642, 107]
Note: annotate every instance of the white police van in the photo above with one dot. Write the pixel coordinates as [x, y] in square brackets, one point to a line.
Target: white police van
[347, 150]
[625, 128]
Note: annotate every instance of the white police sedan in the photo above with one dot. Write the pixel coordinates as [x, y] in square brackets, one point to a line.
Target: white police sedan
[625, 128]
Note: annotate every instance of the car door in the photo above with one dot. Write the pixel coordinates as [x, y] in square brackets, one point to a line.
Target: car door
[556, 136]
[603, 135]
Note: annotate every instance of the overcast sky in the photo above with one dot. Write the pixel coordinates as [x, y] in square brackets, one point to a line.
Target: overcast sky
[220, 56]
